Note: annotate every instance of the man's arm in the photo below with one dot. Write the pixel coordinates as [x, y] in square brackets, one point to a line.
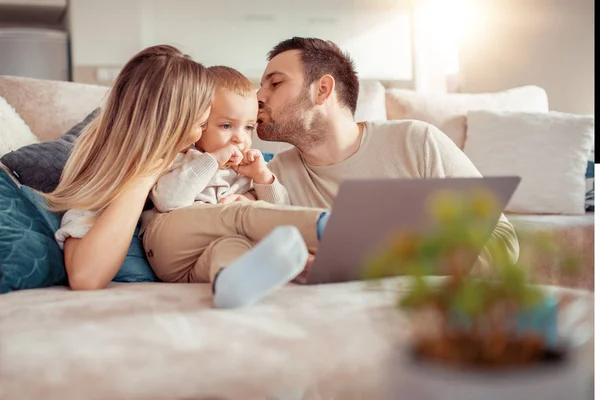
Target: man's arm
[443, 159]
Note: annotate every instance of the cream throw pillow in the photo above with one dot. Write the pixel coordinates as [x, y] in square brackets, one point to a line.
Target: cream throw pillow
[14, 132]
[370, 104]
[448, 112]
[549, 151]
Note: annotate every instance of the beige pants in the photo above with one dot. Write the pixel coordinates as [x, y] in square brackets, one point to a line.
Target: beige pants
[192, 244]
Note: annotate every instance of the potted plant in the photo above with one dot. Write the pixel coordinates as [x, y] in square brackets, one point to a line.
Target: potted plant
[478, 333]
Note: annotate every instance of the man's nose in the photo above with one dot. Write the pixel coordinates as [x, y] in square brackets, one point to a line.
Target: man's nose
[262, 97]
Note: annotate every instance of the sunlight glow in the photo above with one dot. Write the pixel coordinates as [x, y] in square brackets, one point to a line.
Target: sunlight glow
[442, 25]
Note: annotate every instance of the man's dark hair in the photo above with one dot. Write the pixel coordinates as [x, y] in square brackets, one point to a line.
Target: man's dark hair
[321, 57]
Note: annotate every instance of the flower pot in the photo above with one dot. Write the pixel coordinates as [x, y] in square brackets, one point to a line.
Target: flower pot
[561, 375]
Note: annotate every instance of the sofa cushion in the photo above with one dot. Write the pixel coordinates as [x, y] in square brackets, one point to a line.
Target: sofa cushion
[574, 233]
[448, 111]
[371, 102]
[49, 107]
[10, 173]
[135, 267]
[14, 132]
[52, 219]
[268, 156]
[40, 165]
[549, 151]
[29, 255]
[589, 183]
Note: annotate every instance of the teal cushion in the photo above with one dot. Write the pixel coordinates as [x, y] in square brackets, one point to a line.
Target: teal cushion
[267, 156]
[29, 255]
[135, 268]
[52, 219]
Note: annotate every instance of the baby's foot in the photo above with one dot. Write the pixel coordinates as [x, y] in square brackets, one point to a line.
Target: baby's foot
[275, 261]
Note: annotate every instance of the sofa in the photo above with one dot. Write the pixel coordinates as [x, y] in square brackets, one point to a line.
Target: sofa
[51, 108]
[142, 340]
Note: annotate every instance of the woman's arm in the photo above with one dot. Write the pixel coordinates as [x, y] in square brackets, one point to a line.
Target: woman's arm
[94, 260]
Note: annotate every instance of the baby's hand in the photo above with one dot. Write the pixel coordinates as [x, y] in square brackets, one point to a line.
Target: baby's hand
[254, 167]
[228, 155]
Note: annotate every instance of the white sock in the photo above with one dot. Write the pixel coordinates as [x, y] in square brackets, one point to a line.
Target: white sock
[272, 263]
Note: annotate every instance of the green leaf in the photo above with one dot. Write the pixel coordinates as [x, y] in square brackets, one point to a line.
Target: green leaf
[381, 266]
[513, 278]
[419, 294]
[469, 297]
[409, 301]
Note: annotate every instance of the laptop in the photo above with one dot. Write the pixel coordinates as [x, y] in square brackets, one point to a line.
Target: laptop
[366, 212]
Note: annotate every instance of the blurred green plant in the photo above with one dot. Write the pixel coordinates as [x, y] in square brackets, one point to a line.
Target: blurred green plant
[489, 299]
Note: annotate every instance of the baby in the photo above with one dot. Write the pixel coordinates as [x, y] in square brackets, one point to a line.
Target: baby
[222, 166]
[208, 224]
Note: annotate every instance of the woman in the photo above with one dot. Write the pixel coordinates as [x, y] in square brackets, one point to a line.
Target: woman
[156, 108]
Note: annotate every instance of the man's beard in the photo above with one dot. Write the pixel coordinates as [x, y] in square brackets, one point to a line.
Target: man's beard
[296, 126]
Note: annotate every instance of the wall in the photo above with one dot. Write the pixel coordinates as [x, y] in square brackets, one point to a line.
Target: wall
[106, 33]
[33, 39]
[549, 43]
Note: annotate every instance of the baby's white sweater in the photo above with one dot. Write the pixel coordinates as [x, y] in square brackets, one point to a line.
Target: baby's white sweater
[195, 176]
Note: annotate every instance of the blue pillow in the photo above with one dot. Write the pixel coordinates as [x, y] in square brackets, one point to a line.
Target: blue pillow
[267, 156]
[52, 219]
[135, 268]
[29, 255]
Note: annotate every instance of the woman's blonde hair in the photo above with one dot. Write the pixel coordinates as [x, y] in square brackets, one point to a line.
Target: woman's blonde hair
[151, 108]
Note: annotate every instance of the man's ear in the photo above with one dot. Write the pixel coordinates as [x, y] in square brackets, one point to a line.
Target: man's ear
[325, 89]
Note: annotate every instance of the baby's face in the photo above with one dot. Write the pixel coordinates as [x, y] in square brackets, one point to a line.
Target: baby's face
[232, 119]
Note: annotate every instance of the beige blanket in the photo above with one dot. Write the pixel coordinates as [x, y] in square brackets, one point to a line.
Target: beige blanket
[164, 341]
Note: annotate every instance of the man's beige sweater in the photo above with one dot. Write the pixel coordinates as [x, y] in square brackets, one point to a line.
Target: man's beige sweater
[390, 149]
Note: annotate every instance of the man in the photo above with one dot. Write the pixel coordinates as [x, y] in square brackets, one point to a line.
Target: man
[308, 97]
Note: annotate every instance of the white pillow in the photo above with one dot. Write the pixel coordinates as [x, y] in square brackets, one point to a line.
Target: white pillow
[549, 151]
[370, 105]
[14, 133]
[448, 111]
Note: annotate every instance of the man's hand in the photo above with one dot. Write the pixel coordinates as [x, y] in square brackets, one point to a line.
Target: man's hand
[228, 155]
[254, 167]
[235, 197]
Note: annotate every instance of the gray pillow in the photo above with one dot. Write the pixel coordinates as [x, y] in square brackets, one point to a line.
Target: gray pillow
[40, 165]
